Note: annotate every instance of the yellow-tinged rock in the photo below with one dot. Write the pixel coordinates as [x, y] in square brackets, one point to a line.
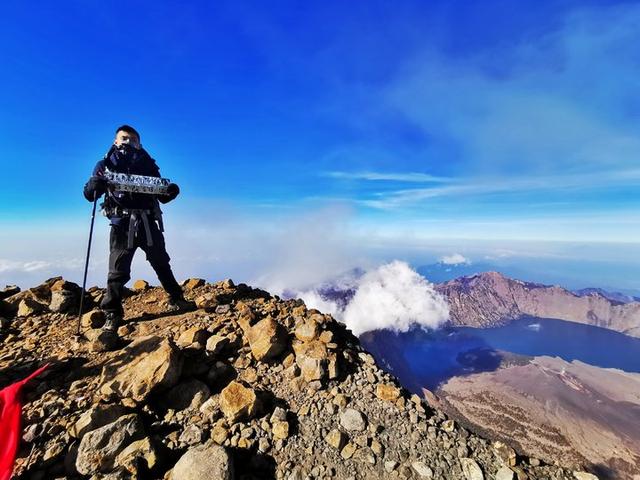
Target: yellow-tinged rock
[192, 335]
[147, 365]
[208, 302]
[326, 336]
[139, 450]
[219, 434]
[140, 285]
[192, 283]
[348, 450]
[307, 331]
[238, 402]
[336, 439]
[281, 429]
[62, 284]
[30, 306]
[312, 359]
[387, 392]
[267, 339]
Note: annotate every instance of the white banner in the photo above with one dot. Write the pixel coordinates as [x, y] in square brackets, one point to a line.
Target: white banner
[125, 182]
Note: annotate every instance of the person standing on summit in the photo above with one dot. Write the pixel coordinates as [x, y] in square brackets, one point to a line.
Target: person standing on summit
[136, 221]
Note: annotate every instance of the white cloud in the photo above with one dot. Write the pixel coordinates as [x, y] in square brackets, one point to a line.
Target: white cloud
[505, 185]
[392, 297]
[410, 177]
[455, 259]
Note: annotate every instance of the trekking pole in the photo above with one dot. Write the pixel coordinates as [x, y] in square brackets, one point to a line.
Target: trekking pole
[86, 263]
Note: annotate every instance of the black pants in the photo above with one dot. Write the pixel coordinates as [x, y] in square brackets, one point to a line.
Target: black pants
[120, 258]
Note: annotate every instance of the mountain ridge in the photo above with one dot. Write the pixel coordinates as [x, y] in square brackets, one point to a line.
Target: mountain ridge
[247, 386]
[491, 299]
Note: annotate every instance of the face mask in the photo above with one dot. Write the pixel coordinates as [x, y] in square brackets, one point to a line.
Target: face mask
[126, 150]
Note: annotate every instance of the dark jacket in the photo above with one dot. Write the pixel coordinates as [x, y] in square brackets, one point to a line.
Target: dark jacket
[137, 162]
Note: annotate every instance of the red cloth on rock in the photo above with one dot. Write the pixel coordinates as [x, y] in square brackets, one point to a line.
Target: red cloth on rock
[11, 423]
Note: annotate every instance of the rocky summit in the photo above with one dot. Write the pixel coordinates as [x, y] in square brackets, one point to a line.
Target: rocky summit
[245, 386]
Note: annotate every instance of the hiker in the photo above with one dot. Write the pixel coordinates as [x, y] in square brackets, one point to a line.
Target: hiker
[136, 221]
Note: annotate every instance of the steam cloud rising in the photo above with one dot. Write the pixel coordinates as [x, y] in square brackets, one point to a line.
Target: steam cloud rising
[393, 297]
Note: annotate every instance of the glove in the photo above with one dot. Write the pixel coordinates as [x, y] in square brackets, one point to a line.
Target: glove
[95, 186]
[172, 192]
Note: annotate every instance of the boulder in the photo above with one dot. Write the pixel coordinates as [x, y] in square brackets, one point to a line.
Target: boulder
[267, 339]
[422, 469]
[307, 331]
[448, 426]
[30, 306]
[9, 291]
[584, 476]
[280, 429]
[471, 469]
[238, 402]
[93, 319]
[102, 340]
[216, 344]
[62, 300]
[140, 285]
[97, 416]
[192, 335]
[189, 394]
[385, 391]
[139, 455]
[192, 283]
[204, 462]
[505, 453]
[353, 420]
[505, 473]
[60, 285]
[312, 359]
[207, 302]
[192, 435]
[148, 365]
[219, 434]
[336, 439]
[99, 448]
[348, 450]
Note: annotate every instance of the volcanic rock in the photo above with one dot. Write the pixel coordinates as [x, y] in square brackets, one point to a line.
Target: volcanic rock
[387, 392]
[99, 448]
[238, 402]
[93, 319]
[353, 420]
[97, 416]
[311, 358]
[267, 339]
[148, 365]
[136, 452]
[193, 283]
[471, 469]
[139, 285]
[204, 463]
[505, 473]
[30, 306]
[62, 300]
[189, 394]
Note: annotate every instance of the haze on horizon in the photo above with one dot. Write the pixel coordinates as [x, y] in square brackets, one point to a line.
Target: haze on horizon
[330, 135]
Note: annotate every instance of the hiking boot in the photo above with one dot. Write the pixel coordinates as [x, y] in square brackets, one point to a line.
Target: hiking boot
[180, 305]
[112, 322]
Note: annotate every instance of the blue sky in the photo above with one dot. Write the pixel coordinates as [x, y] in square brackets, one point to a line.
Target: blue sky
[399, 124]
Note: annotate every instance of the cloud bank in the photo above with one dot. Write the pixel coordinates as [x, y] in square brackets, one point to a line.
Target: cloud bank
[391, 297]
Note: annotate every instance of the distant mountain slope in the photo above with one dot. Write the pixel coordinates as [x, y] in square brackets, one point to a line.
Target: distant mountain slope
[552, 408]
[490, 299]
[613, 296]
